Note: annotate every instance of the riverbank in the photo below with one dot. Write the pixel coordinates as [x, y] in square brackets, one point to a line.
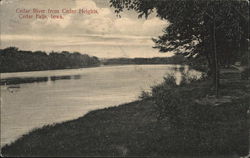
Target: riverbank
[133, 129]
[14, 60]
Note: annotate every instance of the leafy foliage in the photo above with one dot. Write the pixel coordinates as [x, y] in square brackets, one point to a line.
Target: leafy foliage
[13, 60]
[196, 128]
[170, 98]
[191, 30]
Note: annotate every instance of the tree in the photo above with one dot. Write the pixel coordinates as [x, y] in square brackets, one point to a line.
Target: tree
[213, 31]
[14, 60]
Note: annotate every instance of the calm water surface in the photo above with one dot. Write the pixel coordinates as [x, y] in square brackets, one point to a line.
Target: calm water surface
[32, 105]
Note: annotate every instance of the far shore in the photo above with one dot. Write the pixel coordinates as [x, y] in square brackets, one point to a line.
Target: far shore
[15, 60]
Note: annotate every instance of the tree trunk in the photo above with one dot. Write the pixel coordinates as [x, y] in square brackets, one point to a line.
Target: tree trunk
[216, 66]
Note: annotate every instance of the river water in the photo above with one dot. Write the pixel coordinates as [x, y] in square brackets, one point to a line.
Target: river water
[71, 93]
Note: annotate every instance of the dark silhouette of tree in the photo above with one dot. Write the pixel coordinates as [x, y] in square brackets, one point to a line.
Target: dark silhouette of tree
[14, 60]
[176, 59]
[213, 31]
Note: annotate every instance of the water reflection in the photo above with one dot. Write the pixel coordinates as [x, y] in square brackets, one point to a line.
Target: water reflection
[22, 80]
[54, 78]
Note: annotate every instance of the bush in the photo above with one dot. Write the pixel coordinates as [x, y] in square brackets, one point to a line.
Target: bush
[200, 128]
[168, 96]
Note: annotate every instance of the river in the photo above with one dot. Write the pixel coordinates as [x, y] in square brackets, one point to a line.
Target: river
[71, 93]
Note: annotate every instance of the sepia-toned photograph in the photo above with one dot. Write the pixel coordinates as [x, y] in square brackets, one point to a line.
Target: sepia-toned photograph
[125, 78]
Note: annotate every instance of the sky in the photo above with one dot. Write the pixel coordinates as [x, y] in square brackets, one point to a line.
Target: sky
[100, 34]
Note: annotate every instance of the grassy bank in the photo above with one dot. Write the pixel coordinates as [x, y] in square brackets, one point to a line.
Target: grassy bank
[134, 129]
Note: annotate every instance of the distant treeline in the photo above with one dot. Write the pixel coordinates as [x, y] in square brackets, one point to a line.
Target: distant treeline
[176, 59]
[14, 60]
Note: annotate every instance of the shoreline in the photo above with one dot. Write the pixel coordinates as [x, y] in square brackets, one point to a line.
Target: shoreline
[51, 69]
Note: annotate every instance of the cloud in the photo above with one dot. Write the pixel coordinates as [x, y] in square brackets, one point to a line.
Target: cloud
[83, 39]
[54, 24]
[105, 22]
[125, 25]
[98, 45]
[5, 2]
[88, 4]
[154, 26]
[96, 33]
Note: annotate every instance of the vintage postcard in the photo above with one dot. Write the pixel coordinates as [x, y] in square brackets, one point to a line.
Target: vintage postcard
[125, 78]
